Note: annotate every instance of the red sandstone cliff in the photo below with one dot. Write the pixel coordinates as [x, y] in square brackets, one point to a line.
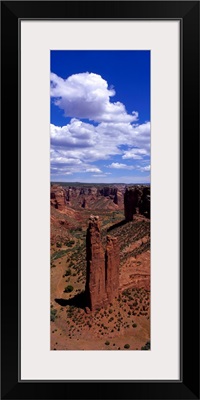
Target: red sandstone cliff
[91, 197]
[136, 200]
[58, 197]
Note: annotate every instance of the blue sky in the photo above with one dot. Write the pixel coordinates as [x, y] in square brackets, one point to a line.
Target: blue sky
[100, 116]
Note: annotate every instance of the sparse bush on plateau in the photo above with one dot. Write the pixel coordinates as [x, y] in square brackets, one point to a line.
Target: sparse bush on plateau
[68, 272]
[146, 346]
[69, 243]
[69, 289]
[107, 343]
[53, 314]
[127, 346]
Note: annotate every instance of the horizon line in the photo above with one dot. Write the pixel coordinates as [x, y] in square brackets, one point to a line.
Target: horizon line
[103, 183]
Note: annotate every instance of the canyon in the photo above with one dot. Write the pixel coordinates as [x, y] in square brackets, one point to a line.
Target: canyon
[100, 246]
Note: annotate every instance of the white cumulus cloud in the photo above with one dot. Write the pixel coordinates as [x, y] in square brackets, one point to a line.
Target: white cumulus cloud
[109, 132]
[136, 154]
[87, 95]
[93, 170]
[144, 169]
[117, 165]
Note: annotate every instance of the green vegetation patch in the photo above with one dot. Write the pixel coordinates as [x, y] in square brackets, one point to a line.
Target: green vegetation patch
[146, 346]
[59, 254]
[69, 289]
[53, 314]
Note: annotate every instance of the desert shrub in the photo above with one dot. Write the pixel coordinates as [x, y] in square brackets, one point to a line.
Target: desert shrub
[78, 229]
[53, 314]
[69, 243]
[69, 289]
[58, 244]
[126, 292]
[146, 346]
[134, 325]
[127, 346]
[58, 254]
[107, 343]
[68, 272]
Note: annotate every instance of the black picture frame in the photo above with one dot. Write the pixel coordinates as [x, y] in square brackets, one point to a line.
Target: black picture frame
[188, 13]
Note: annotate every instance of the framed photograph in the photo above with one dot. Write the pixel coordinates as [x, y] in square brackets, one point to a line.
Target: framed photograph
[101, 300]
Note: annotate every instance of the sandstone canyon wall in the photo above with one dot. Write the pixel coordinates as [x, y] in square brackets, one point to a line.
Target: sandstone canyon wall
[85, 197]
[58, 197]
[136, 200]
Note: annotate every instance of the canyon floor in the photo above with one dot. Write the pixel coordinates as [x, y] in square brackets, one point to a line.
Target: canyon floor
[125, 323]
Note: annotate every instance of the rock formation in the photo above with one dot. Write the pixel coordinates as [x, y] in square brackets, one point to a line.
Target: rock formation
[108, 191]
[112, 261]
[84, 203]
[131, 198]
[144, 206]
[95, 275]
[116, 198]
[102, 275]
[136, 200]
[98, 197]
[58, 197]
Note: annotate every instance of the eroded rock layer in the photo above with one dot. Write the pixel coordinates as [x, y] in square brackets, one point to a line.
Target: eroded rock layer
[58, 197]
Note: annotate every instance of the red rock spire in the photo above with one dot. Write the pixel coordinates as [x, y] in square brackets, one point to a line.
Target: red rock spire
[102, 277]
